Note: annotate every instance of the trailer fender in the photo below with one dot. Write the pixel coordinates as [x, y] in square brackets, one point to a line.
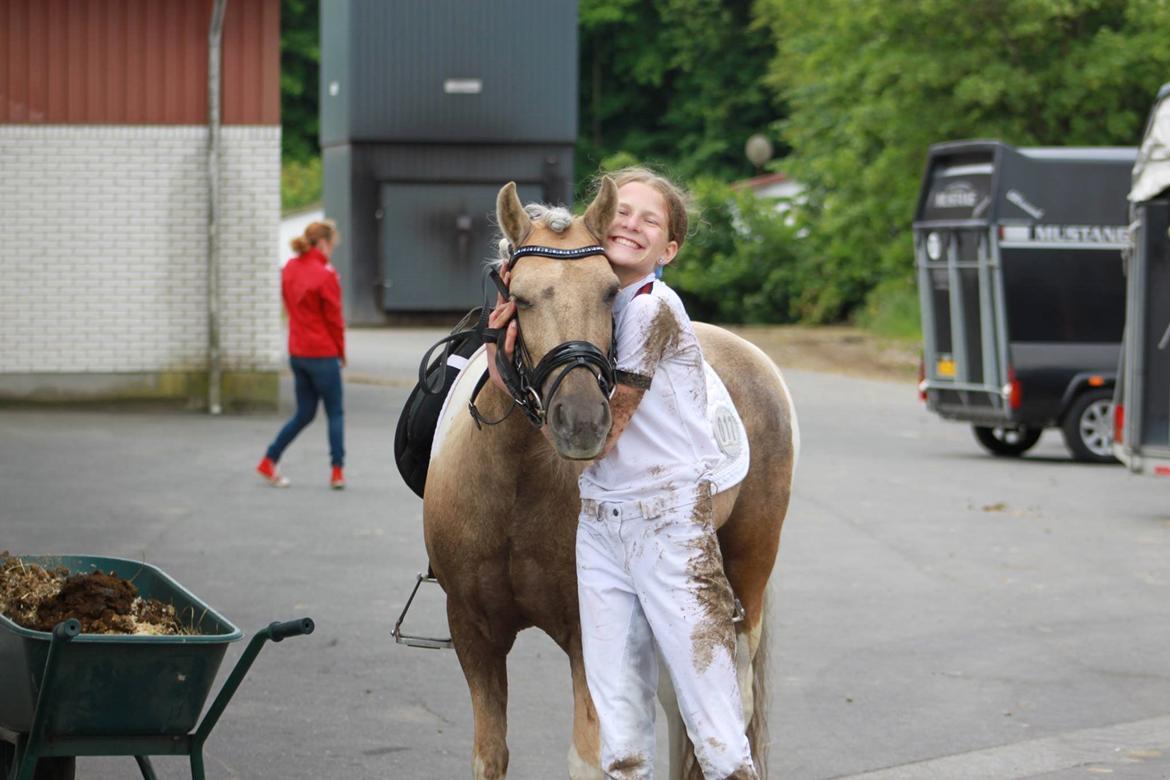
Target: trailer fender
[1082, 382]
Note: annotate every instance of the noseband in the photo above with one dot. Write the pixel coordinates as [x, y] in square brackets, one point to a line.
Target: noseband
[524, 382]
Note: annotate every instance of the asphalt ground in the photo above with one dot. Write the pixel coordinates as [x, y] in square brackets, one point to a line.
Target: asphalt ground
[936, 612]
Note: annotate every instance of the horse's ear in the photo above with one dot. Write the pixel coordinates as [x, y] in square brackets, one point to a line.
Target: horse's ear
[599, 215]
[510, 214]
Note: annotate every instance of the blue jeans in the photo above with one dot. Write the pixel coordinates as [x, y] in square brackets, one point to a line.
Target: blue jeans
[317, 379]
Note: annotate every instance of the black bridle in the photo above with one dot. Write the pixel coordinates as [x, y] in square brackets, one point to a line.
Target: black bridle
[523, 380]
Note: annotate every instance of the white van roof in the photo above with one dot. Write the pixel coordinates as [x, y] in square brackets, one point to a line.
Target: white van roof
[1151, 172]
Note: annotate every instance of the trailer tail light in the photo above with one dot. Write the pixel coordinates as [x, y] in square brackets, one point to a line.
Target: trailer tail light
[1162, 471]
[1096, 381]
[1014, 394]
[1118, 424]
[922, 378]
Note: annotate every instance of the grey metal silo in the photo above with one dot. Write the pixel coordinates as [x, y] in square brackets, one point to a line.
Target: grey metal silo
[427, 108]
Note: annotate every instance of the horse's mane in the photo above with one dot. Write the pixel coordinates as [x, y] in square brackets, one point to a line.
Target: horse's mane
[555, 218]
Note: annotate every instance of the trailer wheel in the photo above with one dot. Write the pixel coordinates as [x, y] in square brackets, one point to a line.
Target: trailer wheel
[1010, 442]
[1088, 427]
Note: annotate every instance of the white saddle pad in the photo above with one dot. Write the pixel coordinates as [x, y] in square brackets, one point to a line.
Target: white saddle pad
[460, 393]
[726, 424]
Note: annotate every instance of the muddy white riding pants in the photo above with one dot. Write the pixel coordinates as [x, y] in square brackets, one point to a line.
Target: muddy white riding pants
[645, 580]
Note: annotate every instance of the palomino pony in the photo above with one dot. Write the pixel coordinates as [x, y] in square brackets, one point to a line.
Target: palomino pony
[501, 501]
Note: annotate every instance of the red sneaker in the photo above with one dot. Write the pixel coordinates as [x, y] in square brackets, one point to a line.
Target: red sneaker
[267, 469]
[337, 479]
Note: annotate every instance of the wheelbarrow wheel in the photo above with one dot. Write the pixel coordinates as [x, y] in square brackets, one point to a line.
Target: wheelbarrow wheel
[59, 768]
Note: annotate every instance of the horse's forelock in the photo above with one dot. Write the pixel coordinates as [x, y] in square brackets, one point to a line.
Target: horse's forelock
[555, 218]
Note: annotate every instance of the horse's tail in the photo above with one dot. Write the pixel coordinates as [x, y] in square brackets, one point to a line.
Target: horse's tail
[757, 730]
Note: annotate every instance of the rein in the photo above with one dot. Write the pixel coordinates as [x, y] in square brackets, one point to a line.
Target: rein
[522, 379]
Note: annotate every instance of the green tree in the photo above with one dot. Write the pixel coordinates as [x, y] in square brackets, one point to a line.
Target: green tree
[300, 62]
[739, 264]
[870, 84]
[673, 82]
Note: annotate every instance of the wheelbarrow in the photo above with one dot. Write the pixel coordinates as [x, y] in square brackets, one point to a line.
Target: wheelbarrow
[65, 694]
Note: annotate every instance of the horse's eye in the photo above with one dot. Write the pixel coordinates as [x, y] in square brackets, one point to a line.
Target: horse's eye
[610, 294]
[522, 303]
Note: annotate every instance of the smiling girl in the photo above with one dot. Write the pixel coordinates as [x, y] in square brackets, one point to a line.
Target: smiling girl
[649, 568]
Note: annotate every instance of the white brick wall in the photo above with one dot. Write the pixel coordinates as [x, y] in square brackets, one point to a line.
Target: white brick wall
[104, 267]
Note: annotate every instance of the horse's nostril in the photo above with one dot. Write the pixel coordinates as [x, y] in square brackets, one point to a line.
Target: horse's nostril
[559, 415]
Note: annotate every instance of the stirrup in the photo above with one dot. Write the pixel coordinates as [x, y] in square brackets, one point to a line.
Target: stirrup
[410, 640]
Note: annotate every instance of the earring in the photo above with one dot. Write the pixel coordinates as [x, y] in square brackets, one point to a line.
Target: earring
[662, 261]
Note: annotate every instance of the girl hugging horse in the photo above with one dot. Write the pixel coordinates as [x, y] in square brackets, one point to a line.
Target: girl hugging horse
[633, 543]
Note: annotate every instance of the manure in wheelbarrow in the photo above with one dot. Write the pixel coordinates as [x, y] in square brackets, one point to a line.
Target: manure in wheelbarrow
[38, 598]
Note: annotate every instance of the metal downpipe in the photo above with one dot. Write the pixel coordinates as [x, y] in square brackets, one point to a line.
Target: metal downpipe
[214, 60]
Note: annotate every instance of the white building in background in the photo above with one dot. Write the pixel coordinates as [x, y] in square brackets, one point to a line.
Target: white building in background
[104, 200]
[771, 185]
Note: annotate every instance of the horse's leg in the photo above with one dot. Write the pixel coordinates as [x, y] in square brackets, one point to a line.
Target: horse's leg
[484, 663]
[585, 752]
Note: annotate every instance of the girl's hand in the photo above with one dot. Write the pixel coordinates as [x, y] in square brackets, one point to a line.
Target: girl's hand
[502, 316]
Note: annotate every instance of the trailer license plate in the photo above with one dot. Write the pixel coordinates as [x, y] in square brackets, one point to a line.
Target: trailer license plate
[946, 368]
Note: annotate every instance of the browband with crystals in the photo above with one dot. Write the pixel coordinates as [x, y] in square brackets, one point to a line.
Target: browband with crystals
[559, 254]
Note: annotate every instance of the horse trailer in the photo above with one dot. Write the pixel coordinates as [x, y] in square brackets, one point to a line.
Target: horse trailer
[1142, 401]
[427, 106]
[1018, 255]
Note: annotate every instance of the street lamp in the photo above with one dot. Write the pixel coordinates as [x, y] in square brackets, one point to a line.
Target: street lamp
[758, 150]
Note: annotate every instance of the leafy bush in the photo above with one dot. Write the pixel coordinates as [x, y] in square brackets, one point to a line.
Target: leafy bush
[870, 85]
[300, 184]
[740, 263]
[892, 310]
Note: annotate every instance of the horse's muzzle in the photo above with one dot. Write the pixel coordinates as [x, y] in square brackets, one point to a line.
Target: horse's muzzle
[579, 419]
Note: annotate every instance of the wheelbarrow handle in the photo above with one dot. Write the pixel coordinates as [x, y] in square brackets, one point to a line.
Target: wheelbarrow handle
[66, 630]
[62, 634]
[278, 631]
[273, 631]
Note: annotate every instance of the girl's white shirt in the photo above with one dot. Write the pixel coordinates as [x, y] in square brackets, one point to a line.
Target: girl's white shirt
[668, 453]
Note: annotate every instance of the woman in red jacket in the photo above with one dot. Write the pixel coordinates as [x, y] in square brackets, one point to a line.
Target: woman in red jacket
[316, 346]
